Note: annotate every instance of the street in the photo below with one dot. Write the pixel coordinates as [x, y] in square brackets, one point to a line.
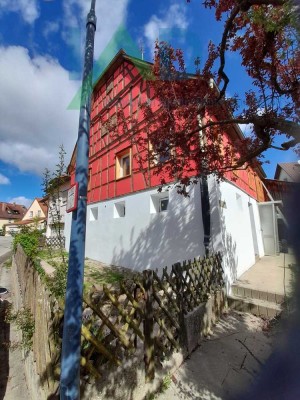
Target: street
[5, 247]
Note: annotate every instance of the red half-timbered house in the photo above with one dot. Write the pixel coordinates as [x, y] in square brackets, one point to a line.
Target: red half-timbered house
[129, 222]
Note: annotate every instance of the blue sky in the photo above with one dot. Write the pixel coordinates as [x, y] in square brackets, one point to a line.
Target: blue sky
[41, 52]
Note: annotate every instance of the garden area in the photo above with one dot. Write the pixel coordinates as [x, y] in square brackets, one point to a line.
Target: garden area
[52, 265]
[138, 318]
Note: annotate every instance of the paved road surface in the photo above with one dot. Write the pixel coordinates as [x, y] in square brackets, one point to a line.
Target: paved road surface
[5, 247]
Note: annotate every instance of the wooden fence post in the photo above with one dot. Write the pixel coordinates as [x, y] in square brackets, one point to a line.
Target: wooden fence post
[177, 270]
[148, 327]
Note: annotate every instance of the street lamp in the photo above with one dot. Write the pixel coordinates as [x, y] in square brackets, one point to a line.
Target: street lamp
[70, 359]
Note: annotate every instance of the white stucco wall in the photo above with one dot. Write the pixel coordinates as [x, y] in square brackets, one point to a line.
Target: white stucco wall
[236, 230]
[145, 239]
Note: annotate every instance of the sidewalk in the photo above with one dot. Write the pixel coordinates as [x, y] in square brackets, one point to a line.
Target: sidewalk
[271, 274]
[226, 363]
[12, 378]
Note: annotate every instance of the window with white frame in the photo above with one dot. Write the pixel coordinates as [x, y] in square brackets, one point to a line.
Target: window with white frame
[30, 214]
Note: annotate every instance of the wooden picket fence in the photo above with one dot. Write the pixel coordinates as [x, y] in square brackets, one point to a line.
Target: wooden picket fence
[140, 318]
[145, 316]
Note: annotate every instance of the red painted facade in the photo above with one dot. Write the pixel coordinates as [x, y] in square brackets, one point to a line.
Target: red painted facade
[122, 85]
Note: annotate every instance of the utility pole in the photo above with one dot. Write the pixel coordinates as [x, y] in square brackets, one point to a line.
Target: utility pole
[70, 360]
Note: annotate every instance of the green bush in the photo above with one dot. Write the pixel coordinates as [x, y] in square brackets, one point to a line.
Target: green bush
[25, 323]
[58, 282]
[29, 240]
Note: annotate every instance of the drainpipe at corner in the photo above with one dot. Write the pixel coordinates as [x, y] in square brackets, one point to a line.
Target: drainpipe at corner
[205, 204]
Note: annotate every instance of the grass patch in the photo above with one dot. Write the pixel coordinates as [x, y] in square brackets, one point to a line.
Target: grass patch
[48, 254]
[101, 276]
[105, 276]
[95, 273]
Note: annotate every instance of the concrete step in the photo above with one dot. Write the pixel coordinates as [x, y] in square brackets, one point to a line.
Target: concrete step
[239, 290]
[258, 307]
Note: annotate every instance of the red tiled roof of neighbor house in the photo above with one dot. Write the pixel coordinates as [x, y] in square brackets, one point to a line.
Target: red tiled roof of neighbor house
[26, 221]
[292, 169]
[43, 205]
[12, 211]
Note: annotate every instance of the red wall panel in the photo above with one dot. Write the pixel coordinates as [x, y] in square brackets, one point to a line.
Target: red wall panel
[130, 90]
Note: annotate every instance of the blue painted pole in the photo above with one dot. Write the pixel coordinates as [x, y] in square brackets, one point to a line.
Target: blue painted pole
[70, 360]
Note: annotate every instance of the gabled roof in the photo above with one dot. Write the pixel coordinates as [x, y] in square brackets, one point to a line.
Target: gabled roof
[12, 211]
[117, 61]
[145, 69]
[26, 222]
[292, 169]
[43, 205]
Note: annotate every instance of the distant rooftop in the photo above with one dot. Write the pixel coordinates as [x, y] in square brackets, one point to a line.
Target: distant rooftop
[292, 169]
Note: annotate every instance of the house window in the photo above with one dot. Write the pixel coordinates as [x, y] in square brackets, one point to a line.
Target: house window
[94, 214]
[39, 213]
[163, 204]
[161, 152]
[119, 209]
[123, 164]
[159, 202]
[30, 214]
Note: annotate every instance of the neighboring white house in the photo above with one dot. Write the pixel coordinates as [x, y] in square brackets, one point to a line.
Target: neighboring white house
[57, 208]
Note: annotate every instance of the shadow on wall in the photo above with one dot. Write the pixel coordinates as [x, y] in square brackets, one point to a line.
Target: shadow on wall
[221, 239]
[171, 236]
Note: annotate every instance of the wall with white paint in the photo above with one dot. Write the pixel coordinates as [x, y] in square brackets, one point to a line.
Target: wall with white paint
[147, 238]
[236, 230]
[144, 237]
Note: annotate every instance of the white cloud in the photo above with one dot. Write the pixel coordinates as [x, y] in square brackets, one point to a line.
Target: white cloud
[50, 27]
[28, 8]
[35, 93]
[173, 17]
[111, 14]
[4, 180]
[21, 200]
